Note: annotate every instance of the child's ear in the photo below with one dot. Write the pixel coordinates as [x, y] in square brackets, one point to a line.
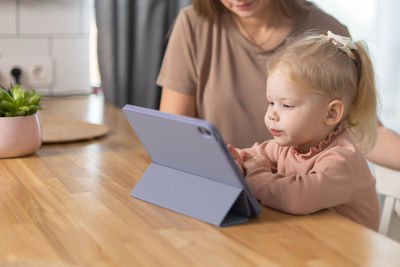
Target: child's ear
[335, 112]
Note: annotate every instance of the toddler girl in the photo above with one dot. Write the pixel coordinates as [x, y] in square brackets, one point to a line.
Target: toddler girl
[321, 107]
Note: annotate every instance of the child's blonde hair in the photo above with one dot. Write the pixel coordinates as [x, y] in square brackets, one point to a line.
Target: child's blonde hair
[319, 65]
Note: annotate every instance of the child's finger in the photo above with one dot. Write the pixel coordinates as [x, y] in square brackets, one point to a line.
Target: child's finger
[244, 155]
[233, 151]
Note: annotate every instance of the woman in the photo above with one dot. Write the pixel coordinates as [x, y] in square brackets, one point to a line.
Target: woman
[214, 67]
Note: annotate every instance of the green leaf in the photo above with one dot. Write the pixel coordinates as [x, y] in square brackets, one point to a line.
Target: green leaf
[35, 107]
[10, 114]
[23, 108]
[34, 99]
[6, 96]
[20, 113]
[30, 93]
[7, 105]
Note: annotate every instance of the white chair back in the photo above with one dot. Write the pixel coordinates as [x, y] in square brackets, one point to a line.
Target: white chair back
[388, 185]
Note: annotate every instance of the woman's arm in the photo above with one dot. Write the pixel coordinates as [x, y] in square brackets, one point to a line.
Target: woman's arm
[387, 149]
[177, 103]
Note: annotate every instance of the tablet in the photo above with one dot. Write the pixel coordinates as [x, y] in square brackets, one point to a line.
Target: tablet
[192, 171]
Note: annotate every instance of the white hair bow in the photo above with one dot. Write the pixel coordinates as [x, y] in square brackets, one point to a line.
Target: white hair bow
[343, 43]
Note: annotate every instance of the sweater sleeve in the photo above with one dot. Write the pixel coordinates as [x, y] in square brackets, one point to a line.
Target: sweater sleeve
[327, 184]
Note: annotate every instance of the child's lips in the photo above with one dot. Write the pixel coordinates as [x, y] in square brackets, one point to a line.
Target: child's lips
[275, 132]
[244, 5]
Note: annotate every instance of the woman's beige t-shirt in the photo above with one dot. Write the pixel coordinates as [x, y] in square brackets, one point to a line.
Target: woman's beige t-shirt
[226, 73]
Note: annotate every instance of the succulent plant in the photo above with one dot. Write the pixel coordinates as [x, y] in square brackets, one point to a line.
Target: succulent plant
[17, 102]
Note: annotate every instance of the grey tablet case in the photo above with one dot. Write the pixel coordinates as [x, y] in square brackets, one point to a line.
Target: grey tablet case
[192, 172]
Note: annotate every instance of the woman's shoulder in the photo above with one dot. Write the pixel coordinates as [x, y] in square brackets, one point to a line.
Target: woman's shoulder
[192, 23]
[189, 12]
[190, 16]
[313, 19]
[187, 16]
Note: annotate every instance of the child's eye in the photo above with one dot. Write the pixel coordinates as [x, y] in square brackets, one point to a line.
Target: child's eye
[270, 103]
[288, 106]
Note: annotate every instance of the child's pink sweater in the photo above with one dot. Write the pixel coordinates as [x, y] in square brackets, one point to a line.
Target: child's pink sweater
[333, 175]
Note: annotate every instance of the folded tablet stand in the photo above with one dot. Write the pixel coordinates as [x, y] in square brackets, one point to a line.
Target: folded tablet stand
[191, 172]
[198, 197]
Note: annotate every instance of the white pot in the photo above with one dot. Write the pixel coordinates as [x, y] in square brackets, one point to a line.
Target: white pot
[19, 136]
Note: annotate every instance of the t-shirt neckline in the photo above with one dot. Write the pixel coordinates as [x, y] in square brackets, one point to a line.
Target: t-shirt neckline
[234, 33]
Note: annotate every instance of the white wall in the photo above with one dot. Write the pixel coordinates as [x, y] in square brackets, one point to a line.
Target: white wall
[54, 33]
[376, 22]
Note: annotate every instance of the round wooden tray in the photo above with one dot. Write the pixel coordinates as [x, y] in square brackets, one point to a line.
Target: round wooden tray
[64, 131]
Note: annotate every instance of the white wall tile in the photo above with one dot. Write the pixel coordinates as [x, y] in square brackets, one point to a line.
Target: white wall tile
[24, 46]
[54, 29]
[8, 16]
[49, 17]
[71, 57]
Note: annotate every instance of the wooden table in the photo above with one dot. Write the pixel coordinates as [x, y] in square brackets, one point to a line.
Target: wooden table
[69, 205]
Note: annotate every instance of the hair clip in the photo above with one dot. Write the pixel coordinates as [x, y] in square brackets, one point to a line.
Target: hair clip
[343, 43]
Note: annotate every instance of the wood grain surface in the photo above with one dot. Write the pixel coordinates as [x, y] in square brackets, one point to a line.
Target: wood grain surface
[69, 205]
[66, 130]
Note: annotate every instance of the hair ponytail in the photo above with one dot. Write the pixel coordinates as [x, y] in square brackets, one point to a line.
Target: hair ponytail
[362, 118]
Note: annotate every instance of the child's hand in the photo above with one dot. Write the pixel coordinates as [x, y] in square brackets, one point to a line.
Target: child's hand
[251, 163]
[246, 161]
[235, 153]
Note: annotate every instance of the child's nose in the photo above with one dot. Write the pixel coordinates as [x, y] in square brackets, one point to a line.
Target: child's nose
[273, 116]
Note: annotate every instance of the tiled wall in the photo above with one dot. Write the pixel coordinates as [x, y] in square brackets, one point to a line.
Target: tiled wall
[53, 29]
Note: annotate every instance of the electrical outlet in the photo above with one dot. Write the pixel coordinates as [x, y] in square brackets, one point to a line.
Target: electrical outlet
[36, 72]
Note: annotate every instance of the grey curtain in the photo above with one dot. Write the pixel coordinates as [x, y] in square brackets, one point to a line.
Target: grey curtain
[132, 36]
